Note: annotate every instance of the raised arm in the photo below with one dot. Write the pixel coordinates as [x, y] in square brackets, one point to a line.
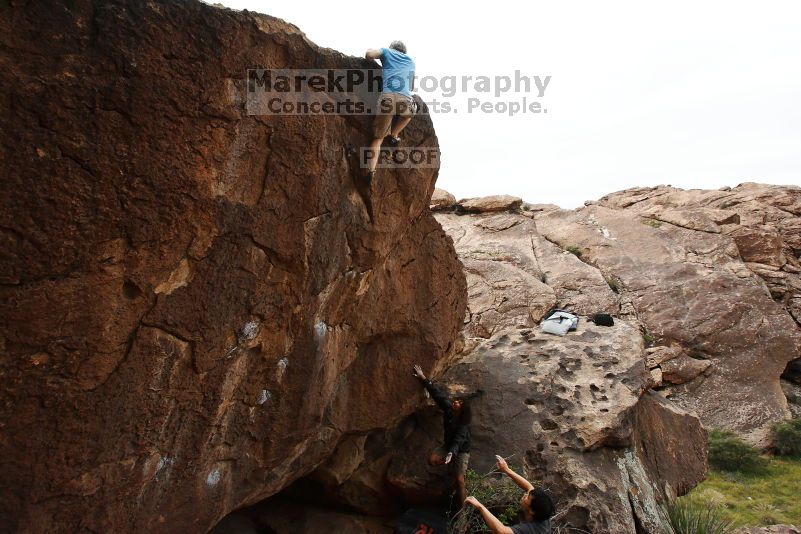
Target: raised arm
[503, 467]
[492, 522]
[442, 401]
[373, 53]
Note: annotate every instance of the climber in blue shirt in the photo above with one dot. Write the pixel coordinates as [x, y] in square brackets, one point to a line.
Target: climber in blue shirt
[395, 101]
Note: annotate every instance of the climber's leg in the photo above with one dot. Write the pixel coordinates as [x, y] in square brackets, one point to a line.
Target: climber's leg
[460, 488]
[372, 156]
[400, 125]
[404, 108]
[381, 127]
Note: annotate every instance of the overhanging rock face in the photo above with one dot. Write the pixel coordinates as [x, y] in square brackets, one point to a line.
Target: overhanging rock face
[195, 304]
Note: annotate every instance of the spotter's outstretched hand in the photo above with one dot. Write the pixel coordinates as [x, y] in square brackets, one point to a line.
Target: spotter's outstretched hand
[418, 372]
[503, 467]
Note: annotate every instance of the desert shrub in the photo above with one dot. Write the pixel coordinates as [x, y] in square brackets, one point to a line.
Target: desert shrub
[613, 285]
[647, 338]
[787, 438]
[727, 452]
[498, 493]
[651, 222]
[687, 516]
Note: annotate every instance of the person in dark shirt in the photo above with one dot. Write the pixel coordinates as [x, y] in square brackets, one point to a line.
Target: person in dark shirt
[536, 505]
[455, 449]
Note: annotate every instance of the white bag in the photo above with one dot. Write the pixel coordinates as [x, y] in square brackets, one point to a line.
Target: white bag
[559, 322]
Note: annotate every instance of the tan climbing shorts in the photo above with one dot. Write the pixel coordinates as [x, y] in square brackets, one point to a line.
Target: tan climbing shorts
[390, 105]
[458, 464]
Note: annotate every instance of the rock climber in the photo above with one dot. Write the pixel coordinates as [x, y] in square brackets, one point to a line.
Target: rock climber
[455, 450]
[536, 505]
[395, 100]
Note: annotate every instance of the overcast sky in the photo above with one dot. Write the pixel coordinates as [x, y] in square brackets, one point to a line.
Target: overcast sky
[689, 93]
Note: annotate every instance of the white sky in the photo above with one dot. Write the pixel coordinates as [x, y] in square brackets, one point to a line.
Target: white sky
[689, 93]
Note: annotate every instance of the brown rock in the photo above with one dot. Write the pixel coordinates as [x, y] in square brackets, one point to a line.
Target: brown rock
[490, 204]
[196, 305]
[659, 354]
[683, 369]
[656, 376]
[772, 529]
[759, 245]
[441, 200]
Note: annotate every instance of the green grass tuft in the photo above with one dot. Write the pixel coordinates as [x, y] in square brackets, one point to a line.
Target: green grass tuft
[767, 497]
[573, 249]
[497, 492]
[689, 516]
[787, 438]
[727, 452]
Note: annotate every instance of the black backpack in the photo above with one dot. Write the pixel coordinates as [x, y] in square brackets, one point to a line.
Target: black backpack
[603, 319]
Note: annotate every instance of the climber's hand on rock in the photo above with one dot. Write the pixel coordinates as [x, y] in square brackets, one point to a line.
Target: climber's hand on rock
[472, 501]
[418, 372]
[503, 467]
[448, 458]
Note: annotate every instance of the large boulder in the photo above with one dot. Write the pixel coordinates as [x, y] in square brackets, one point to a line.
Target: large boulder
[196, 304]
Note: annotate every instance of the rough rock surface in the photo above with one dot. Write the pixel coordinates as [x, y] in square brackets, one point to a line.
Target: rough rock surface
[792, 391]
[713, 272]
[772, 529]
[195, 307]
[489, 204]
[441, 200]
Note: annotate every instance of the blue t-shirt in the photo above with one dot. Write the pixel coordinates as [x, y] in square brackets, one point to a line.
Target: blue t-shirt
[398, 72]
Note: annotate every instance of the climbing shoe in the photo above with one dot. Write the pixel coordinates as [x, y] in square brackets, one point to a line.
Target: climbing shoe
[392, 141]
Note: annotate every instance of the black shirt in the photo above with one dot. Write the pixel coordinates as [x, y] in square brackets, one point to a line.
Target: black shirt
[457, 435]
[535, 527]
